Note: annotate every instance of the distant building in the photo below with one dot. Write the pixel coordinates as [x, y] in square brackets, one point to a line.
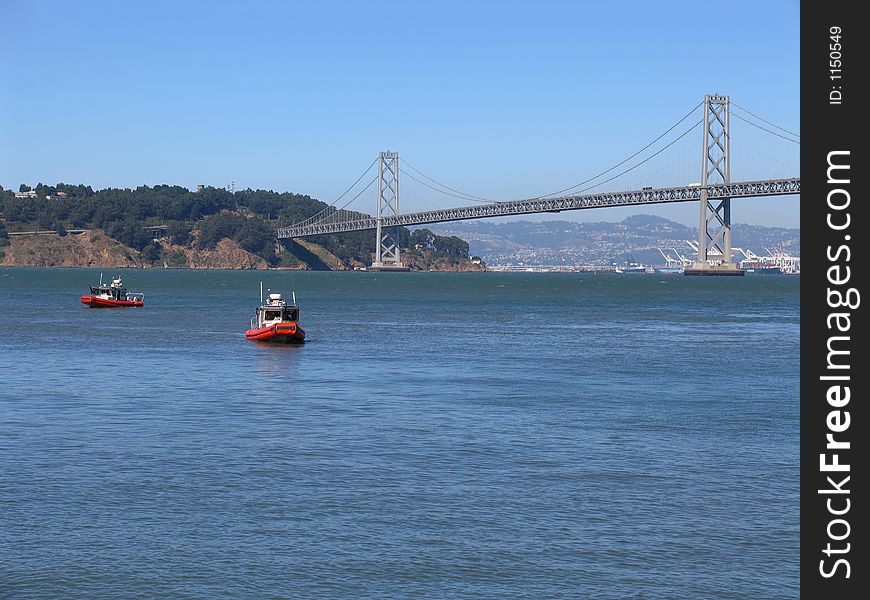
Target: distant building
[30, 194]
[200, 187]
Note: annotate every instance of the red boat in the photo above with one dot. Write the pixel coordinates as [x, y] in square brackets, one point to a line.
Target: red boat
[112, 295]
[276, 321]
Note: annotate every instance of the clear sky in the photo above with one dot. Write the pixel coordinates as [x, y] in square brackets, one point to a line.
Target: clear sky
[501, 99]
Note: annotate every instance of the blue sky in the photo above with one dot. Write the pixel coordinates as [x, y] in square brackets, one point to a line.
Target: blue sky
[497, 99]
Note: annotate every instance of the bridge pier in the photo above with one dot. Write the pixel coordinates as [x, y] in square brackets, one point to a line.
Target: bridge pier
[387, 257]
[714, 229]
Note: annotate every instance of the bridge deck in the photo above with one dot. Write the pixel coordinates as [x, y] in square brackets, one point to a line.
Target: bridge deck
[743, 189]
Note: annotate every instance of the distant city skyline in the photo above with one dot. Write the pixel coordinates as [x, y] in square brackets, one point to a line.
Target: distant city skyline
[498, 99]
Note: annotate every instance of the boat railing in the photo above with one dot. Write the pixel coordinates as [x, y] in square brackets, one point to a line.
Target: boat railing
[133, 296]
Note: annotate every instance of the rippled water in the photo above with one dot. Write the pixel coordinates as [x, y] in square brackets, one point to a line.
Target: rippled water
[494, 435]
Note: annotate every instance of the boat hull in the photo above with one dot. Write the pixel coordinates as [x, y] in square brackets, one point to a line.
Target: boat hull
[97, 302]
[765, 270]
[282, 333]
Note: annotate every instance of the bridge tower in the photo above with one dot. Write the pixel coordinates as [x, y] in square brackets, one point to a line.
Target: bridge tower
[714, 230]
[386, 242]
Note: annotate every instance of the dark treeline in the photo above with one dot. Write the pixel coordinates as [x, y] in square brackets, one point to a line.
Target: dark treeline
[197, 219]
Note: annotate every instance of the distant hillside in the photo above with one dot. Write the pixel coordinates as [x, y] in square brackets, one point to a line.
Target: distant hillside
[169, 225]
[636, 238]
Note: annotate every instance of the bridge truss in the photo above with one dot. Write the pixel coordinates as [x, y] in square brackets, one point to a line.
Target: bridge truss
[741, 189]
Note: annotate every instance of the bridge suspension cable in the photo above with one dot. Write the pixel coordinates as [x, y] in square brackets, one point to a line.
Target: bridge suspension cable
[337, 212]
[464, 196]
[628, 170]
[779, 135]
[619, 164]
[783, 129]
[312, 220]
[461, 195]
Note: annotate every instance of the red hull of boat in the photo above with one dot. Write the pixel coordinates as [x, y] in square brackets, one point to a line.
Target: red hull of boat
[97, 302]
[288, 333]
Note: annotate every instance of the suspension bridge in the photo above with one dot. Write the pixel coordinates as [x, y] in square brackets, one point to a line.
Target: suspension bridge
[714, 192]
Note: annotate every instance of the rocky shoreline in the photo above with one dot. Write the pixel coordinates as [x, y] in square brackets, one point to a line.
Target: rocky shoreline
[93, 248]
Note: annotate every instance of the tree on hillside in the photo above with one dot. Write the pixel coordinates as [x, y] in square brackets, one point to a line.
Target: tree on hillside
[263, 203]
[208, 201]
[152, 252]
[449, 245]
[179, 233]
[423, 238]
[255, 236]
[214, 228]
[130, 233]
[44, 191]
[45, 220]
[20, 210]
[75, 191]
[452, 246]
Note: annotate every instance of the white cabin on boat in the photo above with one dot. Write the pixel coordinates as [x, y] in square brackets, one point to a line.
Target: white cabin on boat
[274, 311]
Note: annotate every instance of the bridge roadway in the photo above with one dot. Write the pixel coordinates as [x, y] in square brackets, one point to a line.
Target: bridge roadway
[742, 189]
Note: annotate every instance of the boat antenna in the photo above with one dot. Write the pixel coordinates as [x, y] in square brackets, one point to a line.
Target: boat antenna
[293, 290]
[101, 278]
[261, 292]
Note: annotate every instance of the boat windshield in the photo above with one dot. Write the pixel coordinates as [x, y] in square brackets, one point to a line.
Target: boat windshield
[272, 315]
[108, 292]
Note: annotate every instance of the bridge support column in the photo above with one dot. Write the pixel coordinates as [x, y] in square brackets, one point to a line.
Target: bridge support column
[387, 239]
[714, 229]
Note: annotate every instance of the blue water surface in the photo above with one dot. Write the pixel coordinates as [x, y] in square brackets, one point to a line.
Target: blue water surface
[439, 435]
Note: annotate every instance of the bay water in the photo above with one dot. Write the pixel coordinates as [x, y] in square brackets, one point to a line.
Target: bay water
[439, 435]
